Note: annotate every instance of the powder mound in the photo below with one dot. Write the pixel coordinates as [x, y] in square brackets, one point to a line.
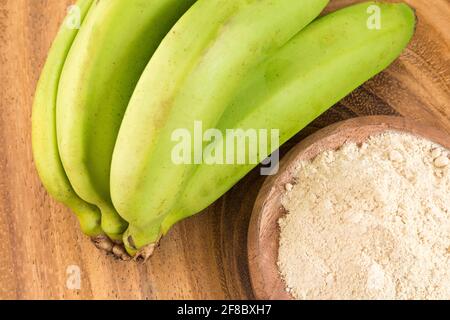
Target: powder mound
[369, 222]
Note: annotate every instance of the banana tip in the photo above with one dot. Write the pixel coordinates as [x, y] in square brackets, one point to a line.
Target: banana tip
[146, 252]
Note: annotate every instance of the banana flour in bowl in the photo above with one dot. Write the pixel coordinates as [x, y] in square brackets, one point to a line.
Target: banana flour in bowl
[369, 221]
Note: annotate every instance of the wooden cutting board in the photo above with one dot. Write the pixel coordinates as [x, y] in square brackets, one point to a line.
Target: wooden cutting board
[203, 257]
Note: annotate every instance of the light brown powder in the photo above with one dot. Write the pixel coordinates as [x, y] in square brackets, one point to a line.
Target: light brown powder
[369, 222]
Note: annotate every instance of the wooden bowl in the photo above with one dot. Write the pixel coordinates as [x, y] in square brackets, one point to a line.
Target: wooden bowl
[263, 236]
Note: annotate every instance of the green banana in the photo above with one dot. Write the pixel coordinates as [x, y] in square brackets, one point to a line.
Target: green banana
[192, 76]
[320, 66]
[44, 142]
[103, 66]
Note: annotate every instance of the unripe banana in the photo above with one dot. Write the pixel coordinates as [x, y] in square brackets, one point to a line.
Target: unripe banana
[45, 147]
[319, 67]
[192, 76]
[104, 64]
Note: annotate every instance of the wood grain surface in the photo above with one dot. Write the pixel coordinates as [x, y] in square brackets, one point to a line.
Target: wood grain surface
[204, 257]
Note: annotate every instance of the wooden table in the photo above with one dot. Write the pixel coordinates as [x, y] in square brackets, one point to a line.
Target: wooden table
[203, 257]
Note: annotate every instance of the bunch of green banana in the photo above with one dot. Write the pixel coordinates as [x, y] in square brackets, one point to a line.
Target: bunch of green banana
[193, 75]
[233, 78]
[113, 93]
[45, 148]
[105, 62]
